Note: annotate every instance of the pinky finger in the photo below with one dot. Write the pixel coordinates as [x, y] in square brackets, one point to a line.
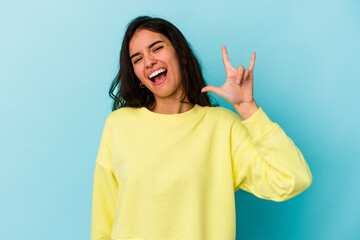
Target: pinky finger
[252, 61]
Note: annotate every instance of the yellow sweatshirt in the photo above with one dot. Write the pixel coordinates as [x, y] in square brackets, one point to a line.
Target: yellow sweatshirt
[173, 176]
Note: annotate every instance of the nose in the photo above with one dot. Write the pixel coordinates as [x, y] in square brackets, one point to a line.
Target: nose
[149, 60]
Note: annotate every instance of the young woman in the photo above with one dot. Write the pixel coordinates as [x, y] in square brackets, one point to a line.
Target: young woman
[169, 161]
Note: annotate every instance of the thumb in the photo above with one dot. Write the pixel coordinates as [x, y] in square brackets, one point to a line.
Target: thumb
[212, 89]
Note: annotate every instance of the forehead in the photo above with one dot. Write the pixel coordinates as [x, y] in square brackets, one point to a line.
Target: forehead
[143, 38]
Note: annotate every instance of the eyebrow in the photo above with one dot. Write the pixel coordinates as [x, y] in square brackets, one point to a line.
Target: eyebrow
[150, 46]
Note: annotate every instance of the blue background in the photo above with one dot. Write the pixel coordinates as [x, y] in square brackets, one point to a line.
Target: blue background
[57, 61]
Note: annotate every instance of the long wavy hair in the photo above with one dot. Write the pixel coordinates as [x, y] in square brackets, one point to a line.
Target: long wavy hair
[130, 94]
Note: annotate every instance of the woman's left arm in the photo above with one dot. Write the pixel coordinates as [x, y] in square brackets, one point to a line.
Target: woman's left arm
[265, 160]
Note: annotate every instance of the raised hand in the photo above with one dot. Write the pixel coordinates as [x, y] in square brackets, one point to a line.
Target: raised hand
[238, 87]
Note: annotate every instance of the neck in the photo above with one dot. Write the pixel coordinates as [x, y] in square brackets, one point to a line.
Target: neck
[170, 106]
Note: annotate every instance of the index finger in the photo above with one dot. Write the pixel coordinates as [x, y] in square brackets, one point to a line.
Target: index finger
[252, 61]
[226, 60]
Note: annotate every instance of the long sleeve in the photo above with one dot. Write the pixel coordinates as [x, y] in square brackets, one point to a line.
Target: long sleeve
[105, 190]
[265, 160]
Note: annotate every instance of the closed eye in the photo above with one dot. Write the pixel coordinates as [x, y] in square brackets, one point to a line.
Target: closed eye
[138, 59]
[157, 48]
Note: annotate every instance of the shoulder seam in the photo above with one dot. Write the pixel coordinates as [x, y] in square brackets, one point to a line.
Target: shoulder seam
[101, 165]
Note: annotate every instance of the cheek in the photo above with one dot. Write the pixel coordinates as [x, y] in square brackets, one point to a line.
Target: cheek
[176, 67]
[137, 72]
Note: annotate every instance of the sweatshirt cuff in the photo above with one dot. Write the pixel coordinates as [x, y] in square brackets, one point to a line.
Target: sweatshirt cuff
[259, 124]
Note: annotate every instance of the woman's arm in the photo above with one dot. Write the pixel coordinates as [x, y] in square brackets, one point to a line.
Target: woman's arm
[265, 160]
[104, 190]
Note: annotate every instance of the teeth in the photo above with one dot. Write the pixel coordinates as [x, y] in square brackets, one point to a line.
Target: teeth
[154, 74]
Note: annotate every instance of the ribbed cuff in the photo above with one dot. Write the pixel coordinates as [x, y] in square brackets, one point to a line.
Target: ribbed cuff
[259, 124]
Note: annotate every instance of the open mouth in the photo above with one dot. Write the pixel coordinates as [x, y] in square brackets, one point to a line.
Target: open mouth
[158, 76]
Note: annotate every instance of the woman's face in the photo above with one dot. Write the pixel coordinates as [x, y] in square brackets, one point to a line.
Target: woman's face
[156, 63]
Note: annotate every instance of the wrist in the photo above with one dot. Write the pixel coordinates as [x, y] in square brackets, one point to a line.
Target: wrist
[246, 110]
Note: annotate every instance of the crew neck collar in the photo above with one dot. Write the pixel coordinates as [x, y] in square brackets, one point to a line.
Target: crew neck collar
[170, 119]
